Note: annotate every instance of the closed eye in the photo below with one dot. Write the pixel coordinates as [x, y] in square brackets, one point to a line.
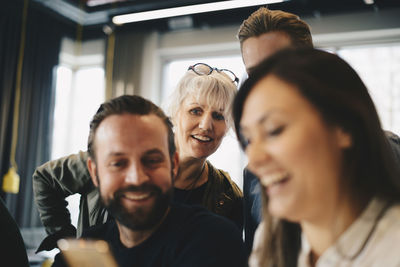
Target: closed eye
[276, 131]
[153, 160]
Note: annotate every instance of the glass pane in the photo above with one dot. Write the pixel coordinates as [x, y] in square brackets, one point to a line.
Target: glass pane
[61, 114]
[78, 96]
[379, 68]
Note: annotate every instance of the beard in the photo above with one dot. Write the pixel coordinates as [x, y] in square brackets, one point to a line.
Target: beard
[142, 217]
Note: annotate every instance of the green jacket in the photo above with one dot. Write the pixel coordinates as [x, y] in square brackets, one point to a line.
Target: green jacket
[58, 179]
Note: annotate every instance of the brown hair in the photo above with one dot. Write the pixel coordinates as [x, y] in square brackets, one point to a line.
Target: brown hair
[264, 20]
[128, 104]
[334, 88]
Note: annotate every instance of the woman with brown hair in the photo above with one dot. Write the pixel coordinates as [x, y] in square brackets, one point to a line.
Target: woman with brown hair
[330, 186]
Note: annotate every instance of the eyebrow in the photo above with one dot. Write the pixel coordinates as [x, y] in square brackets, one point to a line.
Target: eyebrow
[154, 151]
[112, 154]
[202, 106]
[261, 120]
[148, 152]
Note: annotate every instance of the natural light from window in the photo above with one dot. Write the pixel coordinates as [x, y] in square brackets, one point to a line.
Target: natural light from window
[379, 68]
[78, 95]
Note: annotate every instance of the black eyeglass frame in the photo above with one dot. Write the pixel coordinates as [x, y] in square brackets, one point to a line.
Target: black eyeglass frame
[192, 67]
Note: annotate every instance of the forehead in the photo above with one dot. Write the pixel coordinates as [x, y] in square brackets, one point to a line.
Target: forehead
[131, 134]
[271, 96]
[204, 101]
[255, 49]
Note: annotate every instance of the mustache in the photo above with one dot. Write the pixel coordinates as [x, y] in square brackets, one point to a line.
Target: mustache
[144, 188]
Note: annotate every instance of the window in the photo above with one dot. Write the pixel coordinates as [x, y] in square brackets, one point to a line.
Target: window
[80, 89]
[78, 95]
[379, 68]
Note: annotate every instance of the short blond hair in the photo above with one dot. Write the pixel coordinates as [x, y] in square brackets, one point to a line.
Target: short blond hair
[216, 89]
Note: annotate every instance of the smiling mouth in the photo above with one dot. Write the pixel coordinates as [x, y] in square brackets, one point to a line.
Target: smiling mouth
[137, 196]
[275, 178]
[202, 138]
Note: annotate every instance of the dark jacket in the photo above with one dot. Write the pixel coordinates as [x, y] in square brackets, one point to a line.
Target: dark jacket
[223, 196]
[12, 247]
[57, 179]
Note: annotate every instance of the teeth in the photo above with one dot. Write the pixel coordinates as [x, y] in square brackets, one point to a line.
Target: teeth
[137, 196]
[202, 138]
[267, 180]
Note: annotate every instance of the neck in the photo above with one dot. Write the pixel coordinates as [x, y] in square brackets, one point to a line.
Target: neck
[130, 238]
[192, 173]
[324, 231]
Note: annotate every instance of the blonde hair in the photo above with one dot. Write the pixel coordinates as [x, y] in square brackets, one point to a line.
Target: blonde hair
[217, 90]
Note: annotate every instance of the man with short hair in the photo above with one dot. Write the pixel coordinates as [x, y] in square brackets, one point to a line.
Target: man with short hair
[266, 31]
[132, 161]
[263, 33]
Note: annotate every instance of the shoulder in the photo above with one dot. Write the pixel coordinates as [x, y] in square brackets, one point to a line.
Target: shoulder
[394, 142]
[223, 178]
[251, 183]
[389, 226]
[68, 174]
[78, 159]
[248, 176]
[206, 239]
[380, 250]
[393, 137]
[204, 221]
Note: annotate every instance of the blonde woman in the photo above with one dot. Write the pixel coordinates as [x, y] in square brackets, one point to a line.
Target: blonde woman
[201, 114]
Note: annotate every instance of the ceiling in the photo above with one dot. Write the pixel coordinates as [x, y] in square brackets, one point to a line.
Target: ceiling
[97, 13]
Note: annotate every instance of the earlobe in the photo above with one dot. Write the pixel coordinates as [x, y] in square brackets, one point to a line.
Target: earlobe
[91, 165]
[175, 161]
[343, 138]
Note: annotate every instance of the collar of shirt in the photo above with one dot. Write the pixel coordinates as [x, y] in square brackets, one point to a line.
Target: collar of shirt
[351, 243]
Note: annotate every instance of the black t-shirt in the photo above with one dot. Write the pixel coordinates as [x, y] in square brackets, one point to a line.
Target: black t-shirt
[189, 236]
[190, 197]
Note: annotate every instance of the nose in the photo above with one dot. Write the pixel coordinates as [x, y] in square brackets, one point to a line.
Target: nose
[136, 175]
[206, 121]
[258, 156]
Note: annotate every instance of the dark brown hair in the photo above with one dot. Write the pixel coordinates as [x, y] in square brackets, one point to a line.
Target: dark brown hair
[130, 104]
[342, 99]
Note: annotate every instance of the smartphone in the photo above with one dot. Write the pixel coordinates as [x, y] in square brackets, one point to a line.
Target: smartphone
[86, 253]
